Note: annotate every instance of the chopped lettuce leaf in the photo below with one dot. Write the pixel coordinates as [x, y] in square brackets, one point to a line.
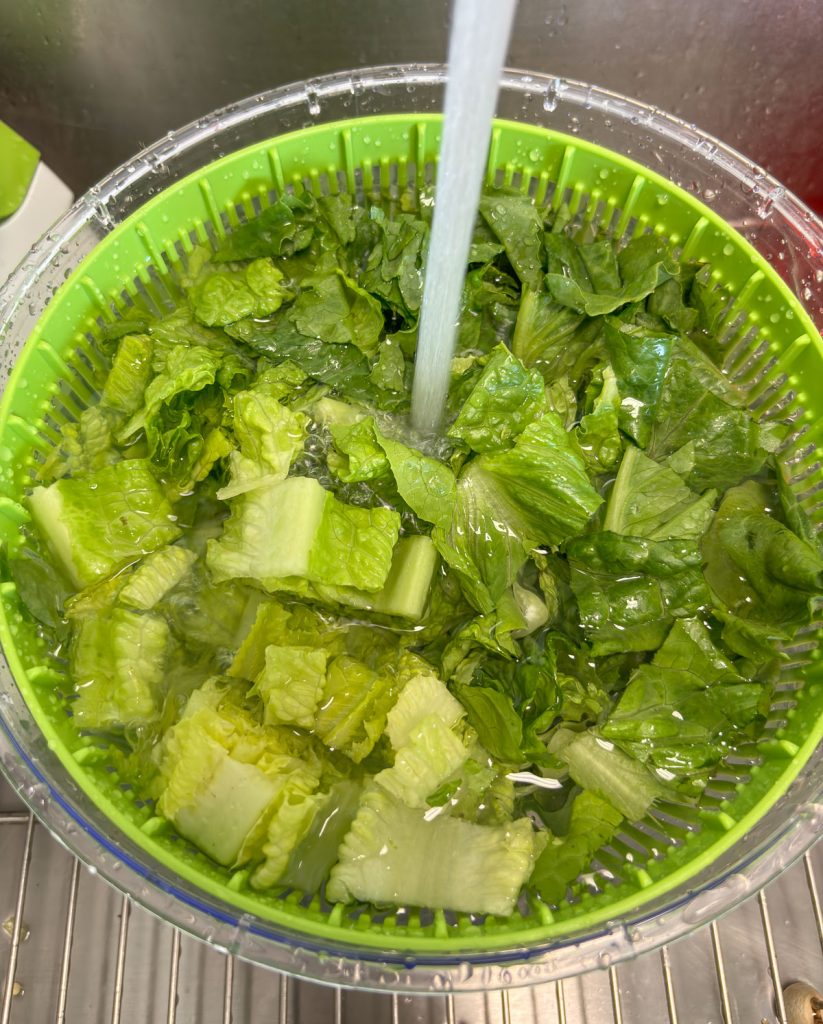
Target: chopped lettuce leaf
[100, 522]
[335, 310]
[353, 707]
[296, 808]
[270, 531]
[431, 755]
[593, 822]
[423, 695]
[405, 591]
[395, 854]
[291, 685]
[315, 854]
[760, 569]
[156, 575]
[118, 663]
[130, 374]
[505, 399]
[270, 436]
[225, 296]
[597, 765]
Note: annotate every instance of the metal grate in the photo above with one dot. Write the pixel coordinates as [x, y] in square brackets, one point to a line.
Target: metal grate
[76, 952]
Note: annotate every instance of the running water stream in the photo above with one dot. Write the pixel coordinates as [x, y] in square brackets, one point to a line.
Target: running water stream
[479, 39]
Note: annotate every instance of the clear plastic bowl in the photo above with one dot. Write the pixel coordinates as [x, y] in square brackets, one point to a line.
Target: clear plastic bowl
[773, 220]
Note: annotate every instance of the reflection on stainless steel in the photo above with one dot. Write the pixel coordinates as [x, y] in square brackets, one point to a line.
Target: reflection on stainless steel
[92, 81]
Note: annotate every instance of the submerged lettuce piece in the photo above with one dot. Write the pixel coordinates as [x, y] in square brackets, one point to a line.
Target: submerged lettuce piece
[335, 310]
[424, 483]
[291, 685]
[315, 853]
[225, 296]
[270, 531]
[633, 610]
[516, 222]
[597, 765]
[650, 500]
[294, 811]
[431, 754]
[677, 405]
[542, 484]
[393, 854]
[423, 695]
[593, 822]
[687, 708]
[595, 279]
[269, 436]
[353, 706]
[98, 523]
[118, 663]
[758, 567]
[156, 575]
[353, 546]
[131, 371]
[405, 591]
[221, 777]
[285, 227]
[508, 502]
[505, 399]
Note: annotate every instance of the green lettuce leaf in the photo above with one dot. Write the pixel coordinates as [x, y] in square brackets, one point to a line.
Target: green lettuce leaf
[542, 483]
[291, 684]
[335, 310]
[757, 567]
[650, 500]
[422, 695]
[595, 280]
[505, 399]
[155, 576]
[353, 546]
[633, 611]
[551, 337]
[593, 822]
[315, 854]
[130, 373]
[688, 708]
[431, 754]
[118, 662]
[222, 297]
[353, 707]
[98, 523]
[285, 227]
[269, 436]
[597, 434]
[270, 532]
[598, 766]
[393, 854]
[516, 222]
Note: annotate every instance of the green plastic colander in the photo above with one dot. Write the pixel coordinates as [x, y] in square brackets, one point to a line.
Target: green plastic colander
[124, 245]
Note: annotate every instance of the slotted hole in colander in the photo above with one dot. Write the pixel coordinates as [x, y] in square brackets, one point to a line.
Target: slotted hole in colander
[743, 353]
[781, 403]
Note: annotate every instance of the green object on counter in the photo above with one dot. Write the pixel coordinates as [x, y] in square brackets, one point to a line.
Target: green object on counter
[18, 162]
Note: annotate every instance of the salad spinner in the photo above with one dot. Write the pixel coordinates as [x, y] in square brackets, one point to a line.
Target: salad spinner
[621, 166]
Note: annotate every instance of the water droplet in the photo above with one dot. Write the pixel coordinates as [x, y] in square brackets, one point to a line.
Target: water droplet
[728, 249]
[534, 155]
